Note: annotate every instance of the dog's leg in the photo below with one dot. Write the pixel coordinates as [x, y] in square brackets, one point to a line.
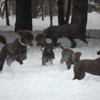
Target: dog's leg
[78, 75]
[51, 61]
[54, 41]
[68, 64]
[10, 59]
[43, 61]
[82, 75]
[3, 55]
[73, 43]
[62, 60]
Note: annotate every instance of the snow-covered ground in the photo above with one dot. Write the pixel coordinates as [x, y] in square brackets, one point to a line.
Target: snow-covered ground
[32, 81]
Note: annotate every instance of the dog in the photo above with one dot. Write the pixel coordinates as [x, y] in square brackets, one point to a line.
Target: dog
[47, 54]
[87, 65]
[69, 57]
[55, 32]
[16, 50]
[3, 39]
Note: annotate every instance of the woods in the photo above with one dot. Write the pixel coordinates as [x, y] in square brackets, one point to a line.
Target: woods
[26, 10]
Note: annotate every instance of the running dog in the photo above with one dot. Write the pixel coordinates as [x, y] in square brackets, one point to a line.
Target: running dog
[16, 50]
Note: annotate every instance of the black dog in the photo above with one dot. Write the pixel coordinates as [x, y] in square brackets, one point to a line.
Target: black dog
[55, 32]
[47, 53]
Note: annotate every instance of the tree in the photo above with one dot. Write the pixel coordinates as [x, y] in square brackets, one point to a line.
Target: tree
[50, 4]
[68, 11]
[80, 7]
[34, 8]
[64, 7]
[60, 12]
[7, 15]
[23, 15]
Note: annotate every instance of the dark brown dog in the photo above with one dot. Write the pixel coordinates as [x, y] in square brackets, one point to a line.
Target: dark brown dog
[2, 39]
[56, 32]
[69, 57]
[16, 50]
[89, 66]
[47, 53]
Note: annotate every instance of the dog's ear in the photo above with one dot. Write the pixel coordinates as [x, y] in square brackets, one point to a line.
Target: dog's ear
[80, 53]
[25, 34]
[20, 33]
[28, 35]
[38, 37]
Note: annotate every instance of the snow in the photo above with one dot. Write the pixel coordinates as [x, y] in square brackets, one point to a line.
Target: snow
[32, 81]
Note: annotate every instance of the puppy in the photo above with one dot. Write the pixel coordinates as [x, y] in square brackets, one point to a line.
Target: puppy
[16, 50]
[47, 53]
[87, 65]
[69, 57]
[56, 32]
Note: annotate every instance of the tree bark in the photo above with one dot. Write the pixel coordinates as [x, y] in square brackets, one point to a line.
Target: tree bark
[23, 15]
[68, 11]
[50, 4]
[34, 8]
[80, 7]
[7, 15]
[60, 12]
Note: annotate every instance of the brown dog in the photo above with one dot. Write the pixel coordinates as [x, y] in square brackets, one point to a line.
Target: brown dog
[89, 66]
[69, 56]
[56, 32]
[16, 50]
[2, 39]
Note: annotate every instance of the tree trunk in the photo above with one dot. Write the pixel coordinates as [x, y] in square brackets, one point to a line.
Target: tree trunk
[50, 5]
[80, 7]
[34, 8]
[68, 11]
[23, 15]
[60, 12]
[7, 15]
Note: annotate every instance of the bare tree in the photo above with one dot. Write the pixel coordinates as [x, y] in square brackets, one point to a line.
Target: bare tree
[7, 15]
[50, 3]
[80, 7]
[60, 12]
[34, 8]
[23, 15]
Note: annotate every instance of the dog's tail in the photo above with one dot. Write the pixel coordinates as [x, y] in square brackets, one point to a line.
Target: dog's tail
[3, 39]
[77, 20]
[59, 44]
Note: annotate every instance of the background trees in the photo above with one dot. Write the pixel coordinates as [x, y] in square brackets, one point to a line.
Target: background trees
[42, 8]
